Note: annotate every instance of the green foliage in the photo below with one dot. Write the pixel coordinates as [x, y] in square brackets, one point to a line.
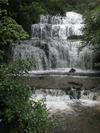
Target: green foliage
[26, 12]
[3, 6]
[18, 112]
[3, 12]
[75, 37]
[91, 31]
[39, 122]
[18, 67]
[92, 28]
[3, 1]
[10, 31]
[97, 64]
[1, 55]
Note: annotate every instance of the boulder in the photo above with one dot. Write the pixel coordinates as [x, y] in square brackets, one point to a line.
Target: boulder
[72, 70]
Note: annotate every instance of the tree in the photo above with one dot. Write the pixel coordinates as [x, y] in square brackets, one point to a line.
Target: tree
[92, 28]
[10, 31]
[18, 113]
[91, 32]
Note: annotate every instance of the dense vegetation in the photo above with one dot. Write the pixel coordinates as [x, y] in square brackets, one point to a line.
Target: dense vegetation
[26, 12]
[19, 114]
[91, 30]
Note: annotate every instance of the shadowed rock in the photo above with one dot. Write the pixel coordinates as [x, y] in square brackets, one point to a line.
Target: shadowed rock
[72, 70]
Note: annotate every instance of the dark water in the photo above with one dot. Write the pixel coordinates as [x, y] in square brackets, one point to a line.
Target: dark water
[83, 120]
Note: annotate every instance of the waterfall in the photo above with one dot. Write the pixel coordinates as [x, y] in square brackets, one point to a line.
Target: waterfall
[49, 44]
[70, 96]
[72, 104]
[76, 110]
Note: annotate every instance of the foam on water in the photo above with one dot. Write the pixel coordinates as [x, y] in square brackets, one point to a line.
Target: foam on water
[59, 100]
[60, 70]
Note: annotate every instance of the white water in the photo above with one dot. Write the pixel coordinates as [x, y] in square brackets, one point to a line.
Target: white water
[60, 100]
[49, 45]
[61, 71]
[76, 110]
[53, 53]
[57, 26]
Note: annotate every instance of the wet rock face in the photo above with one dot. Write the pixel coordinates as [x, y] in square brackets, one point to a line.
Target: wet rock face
[74, 93]
[72, 70]
[60, 81]
[96, 60]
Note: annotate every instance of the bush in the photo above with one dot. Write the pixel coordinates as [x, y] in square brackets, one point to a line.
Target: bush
[18, 113]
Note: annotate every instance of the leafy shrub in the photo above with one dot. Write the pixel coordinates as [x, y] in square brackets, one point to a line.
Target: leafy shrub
[18, 113]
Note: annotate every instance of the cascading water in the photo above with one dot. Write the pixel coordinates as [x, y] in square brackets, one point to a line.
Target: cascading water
[50, 47]
[76, 109]
[67, 97]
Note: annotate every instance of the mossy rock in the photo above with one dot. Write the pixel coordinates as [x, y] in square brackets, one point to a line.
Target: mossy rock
[75, 37]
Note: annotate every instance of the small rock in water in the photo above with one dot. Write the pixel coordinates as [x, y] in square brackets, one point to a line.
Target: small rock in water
[72, 70]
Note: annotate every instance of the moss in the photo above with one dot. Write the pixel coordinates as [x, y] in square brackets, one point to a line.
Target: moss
[75, 37]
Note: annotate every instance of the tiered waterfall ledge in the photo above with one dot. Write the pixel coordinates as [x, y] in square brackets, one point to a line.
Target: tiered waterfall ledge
[60, 81]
